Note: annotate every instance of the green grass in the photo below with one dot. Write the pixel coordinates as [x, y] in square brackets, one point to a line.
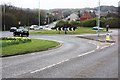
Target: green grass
[80, 30]
[33, 46]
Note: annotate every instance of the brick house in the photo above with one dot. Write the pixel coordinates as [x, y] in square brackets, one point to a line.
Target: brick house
[86, 15]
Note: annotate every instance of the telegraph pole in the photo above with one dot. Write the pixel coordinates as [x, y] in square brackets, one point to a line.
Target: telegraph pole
[39, 13]
[4, 15]
[99, 18]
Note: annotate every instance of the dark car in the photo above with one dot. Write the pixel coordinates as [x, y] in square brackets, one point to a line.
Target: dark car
[21, 32]
[12, 29]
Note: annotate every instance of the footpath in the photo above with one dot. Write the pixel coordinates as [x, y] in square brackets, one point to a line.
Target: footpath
[101, 38]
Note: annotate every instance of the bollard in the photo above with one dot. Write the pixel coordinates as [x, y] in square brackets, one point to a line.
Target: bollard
[107, 37]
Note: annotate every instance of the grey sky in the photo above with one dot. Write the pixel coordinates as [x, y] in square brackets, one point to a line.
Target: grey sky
[50, 4]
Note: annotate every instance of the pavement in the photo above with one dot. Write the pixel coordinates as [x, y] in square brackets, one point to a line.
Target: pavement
[100, 38]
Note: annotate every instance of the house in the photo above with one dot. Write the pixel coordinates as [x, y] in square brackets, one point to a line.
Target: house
[58, 14]
[74, 17]
[86, 15]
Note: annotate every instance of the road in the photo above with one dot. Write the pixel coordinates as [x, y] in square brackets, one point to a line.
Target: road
[75, 58]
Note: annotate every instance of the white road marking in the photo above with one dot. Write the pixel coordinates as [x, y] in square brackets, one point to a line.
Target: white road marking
[112, 44]
[49, 66]
[86, 53]
[60, 62]
[94, 44]
[64, 60]
[104, 47]
[98, 47]
[107, 46]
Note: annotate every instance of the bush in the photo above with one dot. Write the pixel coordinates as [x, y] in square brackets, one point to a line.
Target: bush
[89, 23]
[60, 23]
[112, 22]
[5, 41]
[67, 23]
[74, 23]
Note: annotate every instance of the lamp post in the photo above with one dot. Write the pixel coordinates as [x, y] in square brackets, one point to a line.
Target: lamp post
[39, 13]
[99, 18]
[4, 16]
[48, 19]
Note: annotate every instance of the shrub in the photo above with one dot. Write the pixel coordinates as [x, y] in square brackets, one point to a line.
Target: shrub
[67, 23]
[112, 22]
[89, 23]
[5, 41]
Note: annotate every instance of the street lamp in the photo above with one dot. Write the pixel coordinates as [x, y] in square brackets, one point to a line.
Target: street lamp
[4, 15]
[48, 19]
[39, 12]
[98, 18]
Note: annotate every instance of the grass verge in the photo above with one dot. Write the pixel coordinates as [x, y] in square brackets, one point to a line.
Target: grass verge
[33, 46]
[80, 30]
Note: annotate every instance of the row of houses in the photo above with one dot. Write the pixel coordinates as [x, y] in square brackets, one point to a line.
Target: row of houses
[85, 16]
[89, 15]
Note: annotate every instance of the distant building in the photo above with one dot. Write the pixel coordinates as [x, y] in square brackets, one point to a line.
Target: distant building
[74, 17]
[86, 15]
[58, 14]
[103, 14]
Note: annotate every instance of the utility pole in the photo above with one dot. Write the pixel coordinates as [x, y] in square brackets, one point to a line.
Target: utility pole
[39, 13]
[48, 19]
[99, 18]
[4, 15]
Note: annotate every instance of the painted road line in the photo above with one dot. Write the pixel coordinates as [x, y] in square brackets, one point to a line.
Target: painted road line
[49, 66]
[94, 44]
[86, 53]
[60, 62]
[112, 44]
[63, 61]
[104, 47]
[107, 46]
[98, 47]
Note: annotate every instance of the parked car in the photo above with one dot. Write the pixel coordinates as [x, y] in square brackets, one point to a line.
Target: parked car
[33, 27]
[21, 27]
[96, 28]
[21, 32]
[12, 29]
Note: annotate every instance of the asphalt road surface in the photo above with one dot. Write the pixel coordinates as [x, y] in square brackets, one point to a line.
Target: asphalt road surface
[75, 58]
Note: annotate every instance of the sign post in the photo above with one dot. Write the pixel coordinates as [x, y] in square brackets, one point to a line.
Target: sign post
[65, 30]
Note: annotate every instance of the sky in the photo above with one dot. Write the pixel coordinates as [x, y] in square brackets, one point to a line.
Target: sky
[51, 4]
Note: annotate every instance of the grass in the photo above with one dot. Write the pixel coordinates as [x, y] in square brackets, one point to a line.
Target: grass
[80, 30]
[33, 46]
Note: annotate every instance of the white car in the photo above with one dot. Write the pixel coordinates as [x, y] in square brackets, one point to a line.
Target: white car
[33, 27]
[47, 28]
